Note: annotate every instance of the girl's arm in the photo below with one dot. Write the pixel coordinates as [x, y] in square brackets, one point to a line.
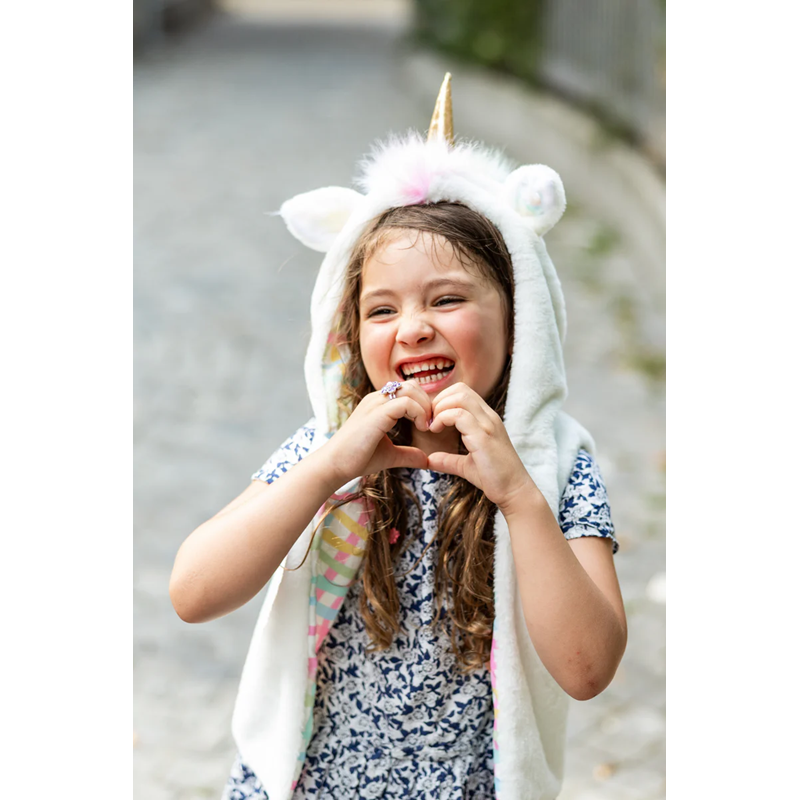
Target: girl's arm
[229, 559]
[570, 596]
[569, 590]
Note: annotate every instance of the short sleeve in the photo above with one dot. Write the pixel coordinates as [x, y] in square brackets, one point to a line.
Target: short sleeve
[584, 508]
[291, 452]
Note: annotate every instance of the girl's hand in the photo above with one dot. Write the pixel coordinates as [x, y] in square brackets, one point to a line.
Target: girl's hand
[362, 447]
[492, 463]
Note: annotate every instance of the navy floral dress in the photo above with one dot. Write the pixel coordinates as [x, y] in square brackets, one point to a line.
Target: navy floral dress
[404, 723]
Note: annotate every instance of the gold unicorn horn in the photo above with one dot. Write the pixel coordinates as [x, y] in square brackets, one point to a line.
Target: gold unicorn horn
[441, 129]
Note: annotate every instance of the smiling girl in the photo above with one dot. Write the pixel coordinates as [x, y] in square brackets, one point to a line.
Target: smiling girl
[437, 539]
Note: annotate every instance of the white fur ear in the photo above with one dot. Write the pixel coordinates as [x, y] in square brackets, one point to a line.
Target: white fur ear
[317, 217]
[536, 193]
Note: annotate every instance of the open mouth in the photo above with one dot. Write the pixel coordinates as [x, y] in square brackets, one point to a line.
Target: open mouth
[427, 371]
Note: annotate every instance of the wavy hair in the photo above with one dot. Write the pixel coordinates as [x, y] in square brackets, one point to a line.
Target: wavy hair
[464, 574]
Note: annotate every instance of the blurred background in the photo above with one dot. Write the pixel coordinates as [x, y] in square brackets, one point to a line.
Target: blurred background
[240, 104]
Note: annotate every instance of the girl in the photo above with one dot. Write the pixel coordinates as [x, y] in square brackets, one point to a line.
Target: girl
[437, 539]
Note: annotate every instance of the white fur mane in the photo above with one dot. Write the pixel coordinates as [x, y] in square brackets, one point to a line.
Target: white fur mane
[409, 162]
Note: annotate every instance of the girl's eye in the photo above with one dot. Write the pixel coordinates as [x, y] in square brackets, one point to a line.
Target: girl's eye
[378, 312]
[443, 301]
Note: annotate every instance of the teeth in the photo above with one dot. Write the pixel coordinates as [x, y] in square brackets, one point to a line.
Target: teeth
[430, 378]
[421, 366]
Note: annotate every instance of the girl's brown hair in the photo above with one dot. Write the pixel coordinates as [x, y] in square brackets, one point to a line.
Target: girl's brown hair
[464, 574]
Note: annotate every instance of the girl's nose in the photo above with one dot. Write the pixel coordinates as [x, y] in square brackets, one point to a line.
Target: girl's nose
[413, 329]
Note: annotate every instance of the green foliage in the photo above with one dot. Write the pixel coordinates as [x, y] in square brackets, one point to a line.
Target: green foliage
[603, 241]
[503, 34]
[651, 364]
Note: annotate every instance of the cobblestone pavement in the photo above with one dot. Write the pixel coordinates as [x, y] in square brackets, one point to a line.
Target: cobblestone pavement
[230, 121]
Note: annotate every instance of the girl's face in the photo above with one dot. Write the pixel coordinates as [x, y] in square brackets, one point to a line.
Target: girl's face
[424, 316]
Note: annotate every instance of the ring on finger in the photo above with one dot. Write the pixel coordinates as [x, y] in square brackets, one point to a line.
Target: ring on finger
[391, 389]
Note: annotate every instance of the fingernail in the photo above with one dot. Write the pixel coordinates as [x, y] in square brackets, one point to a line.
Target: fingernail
[430, 422]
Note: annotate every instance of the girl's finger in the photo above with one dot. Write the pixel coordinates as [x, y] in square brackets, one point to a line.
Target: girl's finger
[459, 418]
[456, 388]
[411, 457]
[413, 389]
[418, 413]
[451, 463]
[404, 406]
[469, 401]
[463, 396]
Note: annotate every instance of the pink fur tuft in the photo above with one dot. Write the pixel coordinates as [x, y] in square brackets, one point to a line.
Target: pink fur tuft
[418, 186]
[409, 166]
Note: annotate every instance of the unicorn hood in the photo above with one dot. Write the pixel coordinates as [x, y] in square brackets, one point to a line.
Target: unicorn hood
[273, 719]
